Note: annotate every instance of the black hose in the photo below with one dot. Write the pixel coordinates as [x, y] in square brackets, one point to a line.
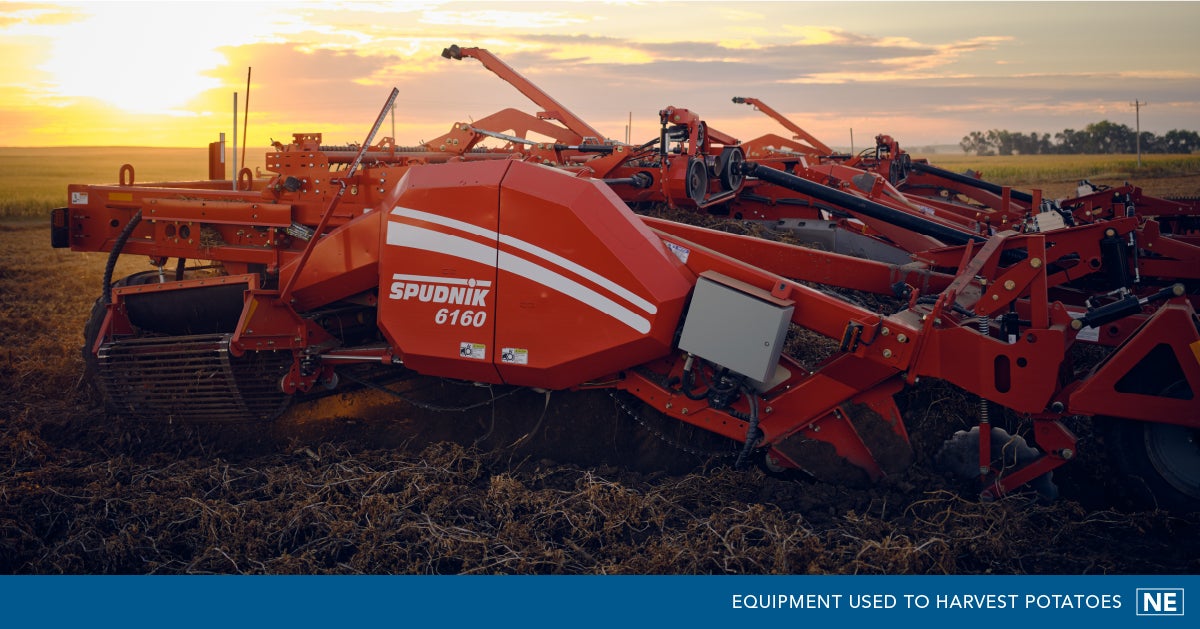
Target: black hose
[106, 296]
[863, 206]
[986, 186]
[753, 434]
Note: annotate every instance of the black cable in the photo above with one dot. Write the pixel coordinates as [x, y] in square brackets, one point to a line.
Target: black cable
[106, 296]
[753, 434]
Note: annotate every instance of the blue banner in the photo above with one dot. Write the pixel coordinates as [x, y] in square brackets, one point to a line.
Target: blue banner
[600, 601]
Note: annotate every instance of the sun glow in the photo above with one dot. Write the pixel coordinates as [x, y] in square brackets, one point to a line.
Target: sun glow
[154, 59]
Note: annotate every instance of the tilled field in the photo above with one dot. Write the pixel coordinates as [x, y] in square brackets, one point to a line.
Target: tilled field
[570, 483]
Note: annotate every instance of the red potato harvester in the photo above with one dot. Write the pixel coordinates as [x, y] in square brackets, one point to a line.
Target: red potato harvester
[498, 269]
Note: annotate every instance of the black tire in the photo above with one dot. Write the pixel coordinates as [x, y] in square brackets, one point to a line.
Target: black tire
[1159, 464]
[91, 330]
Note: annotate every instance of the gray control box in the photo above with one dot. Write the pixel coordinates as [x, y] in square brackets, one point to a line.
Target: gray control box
[736, 325]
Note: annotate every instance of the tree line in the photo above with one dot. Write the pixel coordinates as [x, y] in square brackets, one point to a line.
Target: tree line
[1098, 137]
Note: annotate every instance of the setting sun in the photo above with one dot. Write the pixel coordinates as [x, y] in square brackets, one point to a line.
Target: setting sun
[146, 58]
[163, 73]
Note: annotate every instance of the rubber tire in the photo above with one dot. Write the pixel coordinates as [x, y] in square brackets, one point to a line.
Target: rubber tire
[91, 368]
[91, 330]
[1129, 444]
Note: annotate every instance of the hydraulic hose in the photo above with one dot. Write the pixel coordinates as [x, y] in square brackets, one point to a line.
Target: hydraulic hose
[753, 434]
[860, 205]
[122, 237]
[987, 186]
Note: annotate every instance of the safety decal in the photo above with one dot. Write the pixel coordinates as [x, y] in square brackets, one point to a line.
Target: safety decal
[514, 355]
[680, 251]
[478, 351]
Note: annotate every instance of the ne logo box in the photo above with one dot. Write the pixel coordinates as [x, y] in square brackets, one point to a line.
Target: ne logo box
[1159, 601]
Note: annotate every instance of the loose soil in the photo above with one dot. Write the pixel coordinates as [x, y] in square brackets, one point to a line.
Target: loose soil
[365, 482]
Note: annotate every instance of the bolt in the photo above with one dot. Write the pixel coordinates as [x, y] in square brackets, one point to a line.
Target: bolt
[885, 331]
[1009, 285]
[669, 405]
[1067, 453]
[887, 353]
[683, 411]
[903, 338]
[983, 470]
[1035, 263]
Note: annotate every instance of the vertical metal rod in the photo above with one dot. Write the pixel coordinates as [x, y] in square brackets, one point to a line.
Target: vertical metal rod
[985, 422]
[245, 126]
[234, 178]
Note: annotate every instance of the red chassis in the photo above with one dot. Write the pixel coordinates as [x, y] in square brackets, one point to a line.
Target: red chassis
[511, 272]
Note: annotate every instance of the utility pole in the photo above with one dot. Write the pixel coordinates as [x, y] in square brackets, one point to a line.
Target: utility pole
[1137, 116]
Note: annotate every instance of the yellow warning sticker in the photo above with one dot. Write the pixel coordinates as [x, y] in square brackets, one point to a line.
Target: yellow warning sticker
[120, 196]
[1196, 350]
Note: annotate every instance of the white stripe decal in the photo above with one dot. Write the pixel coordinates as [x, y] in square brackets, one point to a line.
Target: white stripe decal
[420, 238]
[573, 289]
[430, 279]
[527, 247]
[424, 239]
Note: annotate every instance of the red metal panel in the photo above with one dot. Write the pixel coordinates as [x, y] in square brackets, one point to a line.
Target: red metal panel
[343, 263]
[1175, 325]
[587, 288]
[438, 279]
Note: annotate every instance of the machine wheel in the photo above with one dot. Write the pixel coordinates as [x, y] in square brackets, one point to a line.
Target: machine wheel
[91, 369]
[697, 180]
[730, 167]
[1159, 463]
[959, 456]
[91, 329]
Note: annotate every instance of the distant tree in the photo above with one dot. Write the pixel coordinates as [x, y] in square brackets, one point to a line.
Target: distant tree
[1002, 140]
[1098, 137]
[1032, 144]
[1151, 143]
[1070, 141]
[1110, 137]
[1177, 141]
[976, 142]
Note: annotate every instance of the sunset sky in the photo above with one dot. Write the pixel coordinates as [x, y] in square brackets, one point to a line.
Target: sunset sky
[164, 73]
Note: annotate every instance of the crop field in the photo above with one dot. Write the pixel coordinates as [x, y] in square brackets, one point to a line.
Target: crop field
[1057, 175]
[560, 483]
[35, 179]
